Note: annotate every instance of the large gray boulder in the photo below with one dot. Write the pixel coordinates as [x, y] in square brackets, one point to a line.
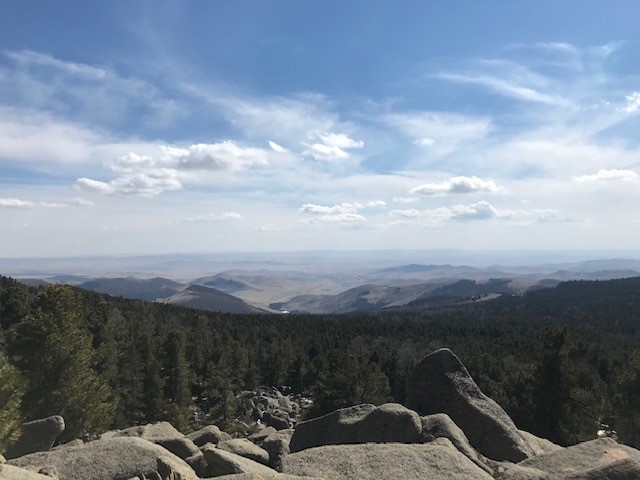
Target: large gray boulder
[245, 448]
[36, 436]
[221, 462]
[165, 435]
[438, 460]
[208, 434]
[441, 384]
[359, 424]
[10, 472]
[151, 432]
[116, 458]
[277, 446]
[601, 459]
[439, 425]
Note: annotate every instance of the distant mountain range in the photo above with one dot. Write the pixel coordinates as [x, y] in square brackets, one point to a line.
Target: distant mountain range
[378, 297]
[341, 289]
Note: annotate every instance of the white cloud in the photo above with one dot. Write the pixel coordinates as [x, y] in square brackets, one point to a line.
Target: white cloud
[444, 132]
[277, 148]
[633, 103]
[609, 175]
[411, 213]
[226, 155]
[15, 203]
[29, 57]
[340, 213]
[405, 199]
[475, 211]
[339, 140]
[341, 218]
[334, 146]
[319, 151]
[133, 184]
[504, 87]
[456, 185]
[343, 208]
[424, 141]
[214, 217]
[375, 203]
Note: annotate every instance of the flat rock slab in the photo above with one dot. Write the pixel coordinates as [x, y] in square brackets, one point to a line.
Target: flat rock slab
[438, 460]
[601, 459]
[116, 458]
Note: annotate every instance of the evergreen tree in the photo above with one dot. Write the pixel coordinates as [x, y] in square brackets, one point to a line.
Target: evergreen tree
[11, 392]
[177, 391]
[53, 349]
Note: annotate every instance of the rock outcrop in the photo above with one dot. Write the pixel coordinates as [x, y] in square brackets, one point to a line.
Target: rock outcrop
[359, 424]
[441, 384]
[594, 460]
[36, 436]
[462, 435]
[115, 458]
[438, 460]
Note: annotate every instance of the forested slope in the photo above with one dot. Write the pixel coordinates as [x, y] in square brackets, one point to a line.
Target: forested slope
[556, 359]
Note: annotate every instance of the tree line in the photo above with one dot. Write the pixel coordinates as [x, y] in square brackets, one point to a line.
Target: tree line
[557, 360]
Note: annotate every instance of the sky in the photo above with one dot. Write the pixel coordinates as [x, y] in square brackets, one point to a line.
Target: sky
[191, 126]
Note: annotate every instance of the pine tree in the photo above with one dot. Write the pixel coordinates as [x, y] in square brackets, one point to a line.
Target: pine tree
[53, 348]
[177, 391]
[11, 392]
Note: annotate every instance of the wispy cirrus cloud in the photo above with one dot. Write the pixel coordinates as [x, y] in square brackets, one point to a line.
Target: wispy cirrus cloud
[8, 202]
[482, 210]
[507, 87]
[608, 176]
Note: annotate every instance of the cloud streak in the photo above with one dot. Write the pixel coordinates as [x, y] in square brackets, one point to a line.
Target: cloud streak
[456, 185]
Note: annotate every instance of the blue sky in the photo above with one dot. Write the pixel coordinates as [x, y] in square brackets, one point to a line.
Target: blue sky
[131, 126]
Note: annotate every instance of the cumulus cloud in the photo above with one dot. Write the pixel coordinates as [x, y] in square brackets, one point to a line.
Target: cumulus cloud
[133, 184]
[332, 146]
[609, 175]
[340, 213]
[226, 155]
[148, 175]
[277, 148]
[343, 208]
[15, 203]
[456, 185]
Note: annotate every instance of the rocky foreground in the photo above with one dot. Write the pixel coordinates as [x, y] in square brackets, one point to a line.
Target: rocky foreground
[448, 430]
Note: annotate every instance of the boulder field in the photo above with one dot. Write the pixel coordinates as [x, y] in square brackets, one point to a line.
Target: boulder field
[448, 430]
